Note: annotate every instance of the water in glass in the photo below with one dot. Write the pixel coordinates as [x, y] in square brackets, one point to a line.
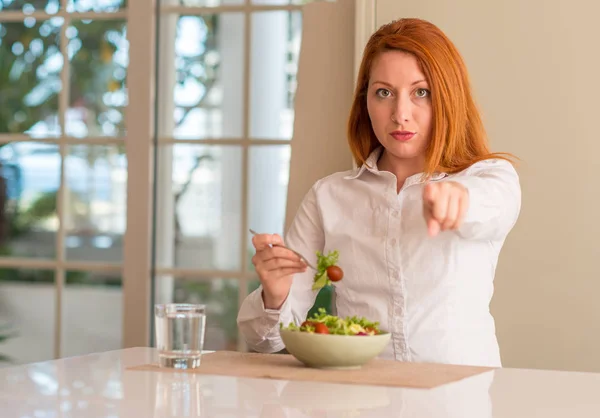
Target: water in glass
[180, 332]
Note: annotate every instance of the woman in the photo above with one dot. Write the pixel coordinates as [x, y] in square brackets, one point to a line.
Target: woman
[418, 225]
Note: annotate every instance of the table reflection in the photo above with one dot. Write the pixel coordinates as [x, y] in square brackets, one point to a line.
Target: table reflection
[187, 394]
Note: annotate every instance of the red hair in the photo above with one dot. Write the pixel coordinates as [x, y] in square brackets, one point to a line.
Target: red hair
[458, 138]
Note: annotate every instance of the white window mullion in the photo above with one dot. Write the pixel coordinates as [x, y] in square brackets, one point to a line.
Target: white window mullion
[6, 138]
[51, 264]
[120, 14]
[88, 140]
[243, 283]
[32, 263]
[18, 16]
[140, 132]
[224, 141]
[194, 274]
[246, 8]
[63, 106]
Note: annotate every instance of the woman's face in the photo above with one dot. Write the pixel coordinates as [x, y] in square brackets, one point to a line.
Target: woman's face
[399, 105]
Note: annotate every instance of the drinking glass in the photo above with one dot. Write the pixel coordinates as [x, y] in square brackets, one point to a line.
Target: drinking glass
[180, 329]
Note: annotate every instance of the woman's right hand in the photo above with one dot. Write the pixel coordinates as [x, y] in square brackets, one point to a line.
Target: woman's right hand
[276, 266]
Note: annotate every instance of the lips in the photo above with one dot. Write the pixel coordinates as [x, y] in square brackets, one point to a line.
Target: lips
[402, 135]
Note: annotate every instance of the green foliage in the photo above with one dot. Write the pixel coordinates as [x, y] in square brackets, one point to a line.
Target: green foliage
[30, 73]
[22, 221]
[350, 325]
[324, 261]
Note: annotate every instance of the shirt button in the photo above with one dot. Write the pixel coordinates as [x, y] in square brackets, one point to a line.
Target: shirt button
[393, 241]
[395, 213]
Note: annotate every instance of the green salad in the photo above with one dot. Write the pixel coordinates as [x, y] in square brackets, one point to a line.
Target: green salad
[322, 323]
[327, 270]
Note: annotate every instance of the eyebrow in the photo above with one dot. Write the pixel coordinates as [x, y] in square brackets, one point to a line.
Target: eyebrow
[389, 85]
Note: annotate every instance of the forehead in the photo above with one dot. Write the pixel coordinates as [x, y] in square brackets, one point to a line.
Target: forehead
[396, 68]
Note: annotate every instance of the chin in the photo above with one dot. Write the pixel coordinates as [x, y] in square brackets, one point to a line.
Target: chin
[403, 151]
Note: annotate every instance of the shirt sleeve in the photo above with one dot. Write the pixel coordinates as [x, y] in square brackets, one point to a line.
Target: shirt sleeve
[494, 200]
[260, 326]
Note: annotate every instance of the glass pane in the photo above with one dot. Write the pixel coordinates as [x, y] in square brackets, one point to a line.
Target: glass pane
[269, 173]
[99, 57]
[29, 6]
[198, 206]
[221, 298]
[204, 90]
[86, 330]
[275, 48]
[27, 316]
[96, 202]
[29, 177]
[30, 66]
[98, 6]
[201, 3]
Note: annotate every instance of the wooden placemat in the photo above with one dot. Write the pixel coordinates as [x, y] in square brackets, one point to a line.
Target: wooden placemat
[285, 367]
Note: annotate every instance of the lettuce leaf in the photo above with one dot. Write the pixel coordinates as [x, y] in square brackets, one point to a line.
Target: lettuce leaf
[323, 262]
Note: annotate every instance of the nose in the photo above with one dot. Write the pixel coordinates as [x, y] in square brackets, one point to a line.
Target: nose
[402, 109]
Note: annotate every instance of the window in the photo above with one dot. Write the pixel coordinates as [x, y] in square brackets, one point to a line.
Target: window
[63, 176]
[110, 194]
[227, 78]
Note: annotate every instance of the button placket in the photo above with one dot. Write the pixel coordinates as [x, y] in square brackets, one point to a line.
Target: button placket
[396, 313]
[401, 345]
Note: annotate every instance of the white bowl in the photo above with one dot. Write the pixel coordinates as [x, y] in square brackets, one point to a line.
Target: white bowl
[328, 351]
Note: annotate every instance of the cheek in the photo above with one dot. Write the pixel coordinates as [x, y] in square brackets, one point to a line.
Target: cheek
[429, 120]
[377, 114]
[425, 117]
[370, 109]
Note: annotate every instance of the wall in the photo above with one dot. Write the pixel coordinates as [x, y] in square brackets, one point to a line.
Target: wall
[534, 66]
[325, 87]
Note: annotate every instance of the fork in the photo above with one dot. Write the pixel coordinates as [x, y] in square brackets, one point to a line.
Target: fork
[295, 252]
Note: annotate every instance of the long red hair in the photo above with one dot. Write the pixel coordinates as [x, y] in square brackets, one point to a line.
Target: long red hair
[458, 138]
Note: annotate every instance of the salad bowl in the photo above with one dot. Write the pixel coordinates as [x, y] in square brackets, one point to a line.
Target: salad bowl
[346, 344]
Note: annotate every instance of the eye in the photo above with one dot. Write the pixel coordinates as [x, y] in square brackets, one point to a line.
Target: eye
[422, 92]
[383, 93]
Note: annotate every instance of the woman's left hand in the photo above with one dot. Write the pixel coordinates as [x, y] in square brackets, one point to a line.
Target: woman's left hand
[445, 204]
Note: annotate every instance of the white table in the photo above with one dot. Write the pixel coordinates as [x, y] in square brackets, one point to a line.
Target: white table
[100, 386]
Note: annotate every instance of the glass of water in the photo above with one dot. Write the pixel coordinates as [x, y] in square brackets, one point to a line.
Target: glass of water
[180, 329]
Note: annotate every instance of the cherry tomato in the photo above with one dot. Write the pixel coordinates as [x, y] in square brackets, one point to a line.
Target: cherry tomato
[308, 324]
[321, 328]
[371, 330]
[335, 273]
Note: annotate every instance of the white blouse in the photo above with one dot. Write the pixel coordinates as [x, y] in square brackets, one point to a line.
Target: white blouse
[431, 293]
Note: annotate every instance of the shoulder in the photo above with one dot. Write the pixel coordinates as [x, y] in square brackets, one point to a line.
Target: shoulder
[493, 174]
[329, 189]
[491, 167]
[334, 180]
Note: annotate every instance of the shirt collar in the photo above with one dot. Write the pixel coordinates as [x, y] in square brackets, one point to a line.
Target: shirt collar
[371, 166]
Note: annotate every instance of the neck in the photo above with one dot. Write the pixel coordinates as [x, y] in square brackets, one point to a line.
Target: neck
[402, 168]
